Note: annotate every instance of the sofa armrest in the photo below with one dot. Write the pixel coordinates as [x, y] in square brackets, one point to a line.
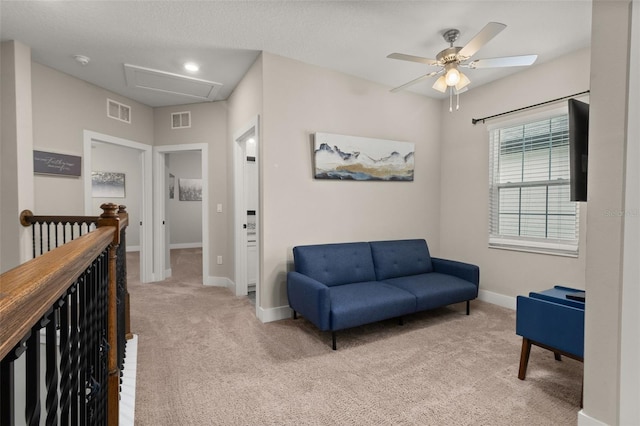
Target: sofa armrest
[465, 271]
[310, 298]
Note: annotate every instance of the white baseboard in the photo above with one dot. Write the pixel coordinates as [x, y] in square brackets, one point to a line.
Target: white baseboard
[218, 282]
[497, 299]
[586, 420]
[185, 245]
[168, 273]
[274, 314]
[133, 248]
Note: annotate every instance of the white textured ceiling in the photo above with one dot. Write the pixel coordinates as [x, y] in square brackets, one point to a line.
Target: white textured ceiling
[225, 37]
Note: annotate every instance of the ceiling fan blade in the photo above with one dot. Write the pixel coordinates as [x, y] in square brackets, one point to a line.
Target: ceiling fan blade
[412, 58]
[489, 31]
[417, 80]
[507, 61]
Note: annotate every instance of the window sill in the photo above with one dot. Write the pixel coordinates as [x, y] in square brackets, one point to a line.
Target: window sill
[553, 249]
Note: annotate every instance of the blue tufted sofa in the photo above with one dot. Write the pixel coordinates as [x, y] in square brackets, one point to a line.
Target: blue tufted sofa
[338, 286]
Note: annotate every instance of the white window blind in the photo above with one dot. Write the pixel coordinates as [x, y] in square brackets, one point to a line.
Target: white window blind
[529, 188]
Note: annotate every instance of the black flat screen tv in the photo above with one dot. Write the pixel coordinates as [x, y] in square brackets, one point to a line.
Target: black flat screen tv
[578, 148]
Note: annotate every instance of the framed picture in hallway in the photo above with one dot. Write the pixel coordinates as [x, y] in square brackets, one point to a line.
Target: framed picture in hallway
[190, 189]
[51, 163]
[364, 159]
[107, 185]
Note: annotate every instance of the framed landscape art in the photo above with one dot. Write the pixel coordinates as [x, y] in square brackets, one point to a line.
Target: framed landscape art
[362, 159]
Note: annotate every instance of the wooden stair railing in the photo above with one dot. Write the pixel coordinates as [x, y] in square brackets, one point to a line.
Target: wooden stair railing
[71, 293]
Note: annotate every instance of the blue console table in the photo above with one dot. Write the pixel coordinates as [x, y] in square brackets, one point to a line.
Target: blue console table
[552, 320]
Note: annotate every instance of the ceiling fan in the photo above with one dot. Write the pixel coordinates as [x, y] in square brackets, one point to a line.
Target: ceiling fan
[453, 58]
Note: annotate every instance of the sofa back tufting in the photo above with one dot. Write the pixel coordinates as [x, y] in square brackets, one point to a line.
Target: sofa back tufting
[335, 264]
[400, 258]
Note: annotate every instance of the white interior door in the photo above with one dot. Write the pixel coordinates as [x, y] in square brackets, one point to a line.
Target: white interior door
[247, 210]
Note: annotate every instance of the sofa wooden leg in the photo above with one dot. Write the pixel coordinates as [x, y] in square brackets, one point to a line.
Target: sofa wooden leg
[333, 339]
[557, 356]
[401, 321]
[524, 358]
[468, 302]
[295, 315]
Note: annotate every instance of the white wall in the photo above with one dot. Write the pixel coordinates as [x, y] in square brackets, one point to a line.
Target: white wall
[630, 316]
[63, 107]
[185, 217]
[605, 246]
[301, 99]
[16, 153]
[120, 159]
[465, 180]
[208, 126]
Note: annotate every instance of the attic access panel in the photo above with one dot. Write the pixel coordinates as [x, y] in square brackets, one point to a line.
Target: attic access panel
[162, 81]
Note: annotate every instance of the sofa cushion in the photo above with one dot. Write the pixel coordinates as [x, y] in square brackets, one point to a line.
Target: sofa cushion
[335, 264]
[433, 290]
[400, 258]
[366, 302]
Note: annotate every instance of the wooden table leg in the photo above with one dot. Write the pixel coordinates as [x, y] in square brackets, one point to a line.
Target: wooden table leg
[524, 358]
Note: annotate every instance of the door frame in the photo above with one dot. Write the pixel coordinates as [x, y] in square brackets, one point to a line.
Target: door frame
[239, 218]
[159, 210]
[146, 235]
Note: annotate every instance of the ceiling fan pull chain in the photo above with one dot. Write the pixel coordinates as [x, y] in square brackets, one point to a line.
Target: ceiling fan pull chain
[451, 99]
[457, 101]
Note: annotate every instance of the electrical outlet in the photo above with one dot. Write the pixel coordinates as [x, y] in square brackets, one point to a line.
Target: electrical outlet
[219, 208]
[219, 260]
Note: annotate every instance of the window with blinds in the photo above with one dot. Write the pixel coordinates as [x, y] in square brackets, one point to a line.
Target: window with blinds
[529, 188]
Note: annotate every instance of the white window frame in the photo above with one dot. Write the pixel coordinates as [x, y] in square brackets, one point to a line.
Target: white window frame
[559, 247]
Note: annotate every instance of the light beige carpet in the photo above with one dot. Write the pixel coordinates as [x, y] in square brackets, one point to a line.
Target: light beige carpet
[204, 359]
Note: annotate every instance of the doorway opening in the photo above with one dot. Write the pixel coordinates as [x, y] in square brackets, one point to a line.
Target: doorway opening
[106, 153]
[180, 205]
[246, 149]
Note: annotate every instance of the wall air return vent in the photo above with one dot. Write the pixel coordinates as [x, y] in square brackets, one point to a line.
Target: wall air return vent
[174, 84]
[118, 111]
[181, 120]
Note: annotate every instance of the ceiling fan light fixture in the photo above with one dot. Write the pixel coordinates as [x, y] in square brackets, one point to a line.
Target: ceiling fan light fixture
[441, 84]
[452, 76]
[464, 82]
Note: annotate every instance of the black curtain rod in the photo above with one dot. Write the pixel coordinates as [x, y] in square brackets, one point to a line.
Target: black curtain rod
[475, 120]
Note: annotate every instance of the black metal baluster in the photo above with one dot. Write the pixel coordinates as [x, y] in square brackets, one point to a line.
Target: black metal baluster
[41, 242]
[82, 350]
[91, 345]
[65, 225]
[32, 397]
[48, 225]
[65, 358]
[51, 373]
[75, 351]
[7, 384]
[103, 343]
[33, 239]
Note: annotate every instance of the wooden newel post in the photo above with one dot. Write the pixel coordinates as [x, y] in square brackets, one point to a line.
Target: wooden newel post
[110, 217]
[124, 221]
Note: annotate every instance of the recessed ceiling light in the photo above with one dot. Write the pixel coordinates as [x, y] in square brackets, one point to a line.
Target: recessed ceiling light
[191, 66]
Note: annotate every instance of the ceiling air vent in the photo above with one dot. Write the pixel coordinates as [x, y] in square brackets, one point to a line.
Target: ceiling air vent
[118, 111]
[181, 120]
